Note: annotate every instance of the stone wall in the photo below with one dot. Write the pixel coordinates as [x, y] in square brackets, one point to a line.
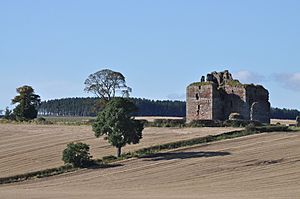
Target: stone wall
[258, 99]
[256, 94]
[260, 111]
[218, 104]
[199, 102]
[235, 101]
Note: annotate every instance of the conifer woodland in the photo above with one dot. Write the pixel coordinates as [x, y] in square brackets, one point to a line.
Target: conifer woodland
[89, 107]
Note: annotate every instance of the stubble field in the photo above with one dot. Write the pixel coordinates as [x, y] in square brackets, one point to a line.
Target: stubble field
[27, 148]
[257, 166]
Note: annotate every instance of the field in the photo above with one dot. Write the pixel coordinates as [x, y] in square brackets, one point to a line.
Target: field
[78, 120]
[283, 122]
[257, 166]
[152, 118]
[25, 148]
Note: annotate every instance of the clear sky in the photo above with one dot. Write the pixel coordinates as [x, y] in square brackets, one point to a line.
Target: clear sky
[160, 46]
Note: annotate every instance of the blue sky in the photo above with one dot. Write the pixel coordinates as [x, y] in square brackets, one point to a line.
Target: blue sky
[160, 46]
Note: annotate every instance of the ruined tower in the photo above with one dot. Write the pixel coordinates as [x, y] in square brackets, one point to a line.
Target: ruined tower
[220, 95]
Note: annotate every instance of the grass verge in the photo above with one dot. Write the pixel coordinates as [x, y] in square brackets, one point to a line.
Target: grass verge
[94, 164]
[37, 174]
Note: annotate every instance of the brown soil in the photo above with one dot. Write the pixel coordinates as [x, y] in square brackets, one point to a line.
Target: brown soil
[258, 166]
[26, 148]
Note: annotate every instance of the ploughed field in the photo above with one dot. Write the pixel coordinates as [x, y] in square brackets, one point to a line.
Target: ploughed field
[27, 148]
[257, 166]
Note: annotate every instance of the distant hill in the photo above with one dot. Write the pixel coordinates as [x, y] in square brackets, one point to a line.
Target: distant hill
[86, 107]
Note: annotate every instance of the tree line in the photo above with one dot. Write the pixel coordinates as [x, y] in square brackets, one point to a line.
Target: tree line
[88, 107]
[278, 113]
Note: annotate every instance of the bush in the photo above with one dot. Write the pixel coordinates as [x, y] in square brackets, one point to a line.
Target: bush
[250, 127]
[109, 158]
[42, 120]
[205, 123]
[273, 129]
[240, 123]
[77, 154]
[169, 123]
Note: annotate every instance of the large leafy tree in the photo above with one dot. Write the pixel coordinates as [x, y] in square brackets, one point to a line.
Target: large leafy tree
[106, 84]
[27, 103]
[117, 123]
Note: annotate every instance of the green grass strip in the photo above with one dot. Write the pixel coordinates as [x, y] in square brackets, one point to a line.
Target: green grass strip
[37, 174]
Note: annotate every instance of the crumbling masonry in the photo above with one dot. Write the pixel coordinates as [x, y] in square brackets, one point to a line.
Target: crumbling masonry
[220, 95]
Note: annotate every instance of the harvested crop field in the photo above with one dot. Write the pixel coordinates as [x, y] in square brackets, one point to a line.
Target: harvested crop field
[257, 166]
[26, 148]
[152, 118]
[283, 122]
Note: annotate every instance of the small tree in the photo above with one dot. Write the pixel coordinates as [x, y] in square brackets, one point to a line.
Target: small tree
[8, 114]
[77, 154]
[106, 83]
[116, 122]
[27, 103]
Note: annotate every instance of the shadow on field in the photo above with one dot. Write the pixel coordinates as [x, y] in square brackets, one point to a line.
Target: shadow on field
[183, 155]
[104, 166]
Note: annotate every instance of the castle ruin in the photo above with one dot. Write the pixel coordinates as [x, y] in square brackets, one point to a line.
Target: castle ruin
[220, 95]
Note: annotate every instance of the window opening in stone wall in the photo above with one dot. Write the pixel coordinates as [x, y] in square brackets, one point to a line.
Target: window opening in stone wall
[198, 109]
[197, 96]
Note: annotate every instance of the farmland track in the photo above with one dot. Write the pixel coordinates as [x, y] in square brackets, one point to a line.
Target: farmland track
[256, 166]
[27, 148]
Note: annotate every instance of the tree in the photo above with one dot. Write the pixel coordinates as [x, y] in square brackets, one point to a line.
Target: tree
[8, 114]
[77, 154]
[106, 83]
[28, 103]
[117, 123]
